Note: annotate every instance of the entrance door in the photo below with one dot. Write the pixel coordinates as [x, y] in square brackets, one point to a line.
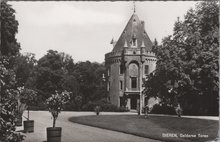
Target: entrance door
[133, 103]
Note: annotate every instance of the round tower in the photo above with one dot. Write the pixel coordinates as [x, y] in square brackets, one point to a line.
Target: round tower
[128, 64]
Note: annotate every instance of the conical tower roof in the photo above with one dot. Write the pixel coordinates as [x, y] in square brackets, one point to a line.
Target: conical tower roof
[134, 28]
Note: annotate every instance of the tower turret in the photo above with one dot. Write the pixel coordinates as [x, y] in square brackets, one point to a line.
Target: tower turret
[130, 61]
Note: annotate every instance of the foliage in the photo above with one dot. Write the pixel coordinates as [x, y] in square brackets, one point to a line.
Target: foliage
[178, 111]
[91, 84]
[8, 91]
[49, 73]
[21, 108]
[78, 102]
[56, 103]
[104, 106]
[9, 27]
[8, 104]
[27, 97]
[97, 110]
[24, 64]
[163, 109]
[52, 72]
[187, 65]
[57, 71]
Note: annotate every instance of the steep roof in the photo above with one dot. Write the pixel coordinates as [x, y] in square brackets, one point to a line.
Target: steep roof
[134, 27]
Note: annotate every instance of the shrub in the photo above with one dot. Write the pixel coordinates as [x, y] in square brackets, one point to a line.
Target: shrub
[28, 97]
[97, 110]
[38, 107]
[163, 109]
[104, 106]
[178, 110]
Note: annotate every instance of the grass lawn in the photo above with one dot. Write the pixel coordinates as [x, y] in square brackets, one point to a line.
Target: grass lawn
[154, 127]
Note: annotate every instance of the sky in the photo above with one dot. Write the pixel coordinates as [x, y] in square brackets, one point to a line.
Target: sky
[84, 29]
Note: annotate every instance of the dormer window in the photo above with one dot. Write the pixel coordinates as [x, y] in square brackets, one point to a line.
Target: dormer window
[134, 41]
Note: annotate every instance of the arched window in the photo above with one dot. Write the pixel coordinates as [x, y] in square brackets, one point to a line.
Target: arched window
[133, 69]
[133, 73]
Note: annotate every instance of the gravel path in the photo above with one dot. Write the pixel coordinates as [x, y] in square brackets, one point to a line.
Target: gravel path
[72, 132]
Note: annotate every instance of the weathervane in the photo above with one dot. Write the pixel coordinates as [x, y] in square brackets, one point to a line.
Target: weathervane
[134, 6]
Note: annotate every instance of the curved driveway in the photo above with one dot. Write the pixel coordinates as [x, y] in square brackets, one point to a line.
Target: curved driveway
[73, 132]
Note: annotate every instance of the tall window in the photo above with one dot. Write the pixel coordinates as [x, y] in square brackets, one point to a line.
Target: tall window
[133, 82]
[122, 102]
[146, 69]
[134, 42]
[121, 85]
[108, 72]
[108, 86]
[120, 69]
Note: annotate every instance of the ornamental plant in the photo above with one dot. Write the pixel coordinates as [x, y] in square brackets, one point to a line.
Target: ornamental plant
[28, 97]
[179, 111]
[97, 110]
[8, 104]
[56, 103]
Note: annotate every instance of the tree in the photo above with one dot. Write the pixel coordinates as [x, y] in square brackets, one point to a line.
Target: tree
[24, 65]
[89, 76]
[71, 85]
[9, 27]
[8, 91]
[54, 71]
[187, 66]
[8, 104]
[28, 97]
[57, 71]
[49, 73]
[55, 104]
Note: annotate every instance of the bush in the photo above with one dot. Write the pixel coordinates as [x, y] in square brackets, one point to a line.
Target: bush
[97, 110]
[104, 105]
[70, 106]
[38, 107]
[163, 109]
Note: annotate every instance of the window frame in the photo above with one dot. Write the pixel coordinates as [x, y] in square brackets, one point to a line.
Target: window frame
[146, 72]
[121, 85]
[134, 81]
[120, 69]
[108, 86]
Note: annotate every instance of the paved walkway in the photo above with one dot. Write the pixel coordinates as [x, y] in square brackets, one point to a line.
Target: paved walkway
[72, 132]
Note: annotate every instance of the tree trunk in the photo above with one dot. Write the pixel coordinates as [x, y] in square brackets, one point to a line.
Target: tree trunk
[28, 113]
[54, 121]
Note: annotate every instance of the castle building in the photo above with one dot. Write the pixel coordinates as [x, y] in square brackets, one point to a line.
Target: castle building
[128, 64]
